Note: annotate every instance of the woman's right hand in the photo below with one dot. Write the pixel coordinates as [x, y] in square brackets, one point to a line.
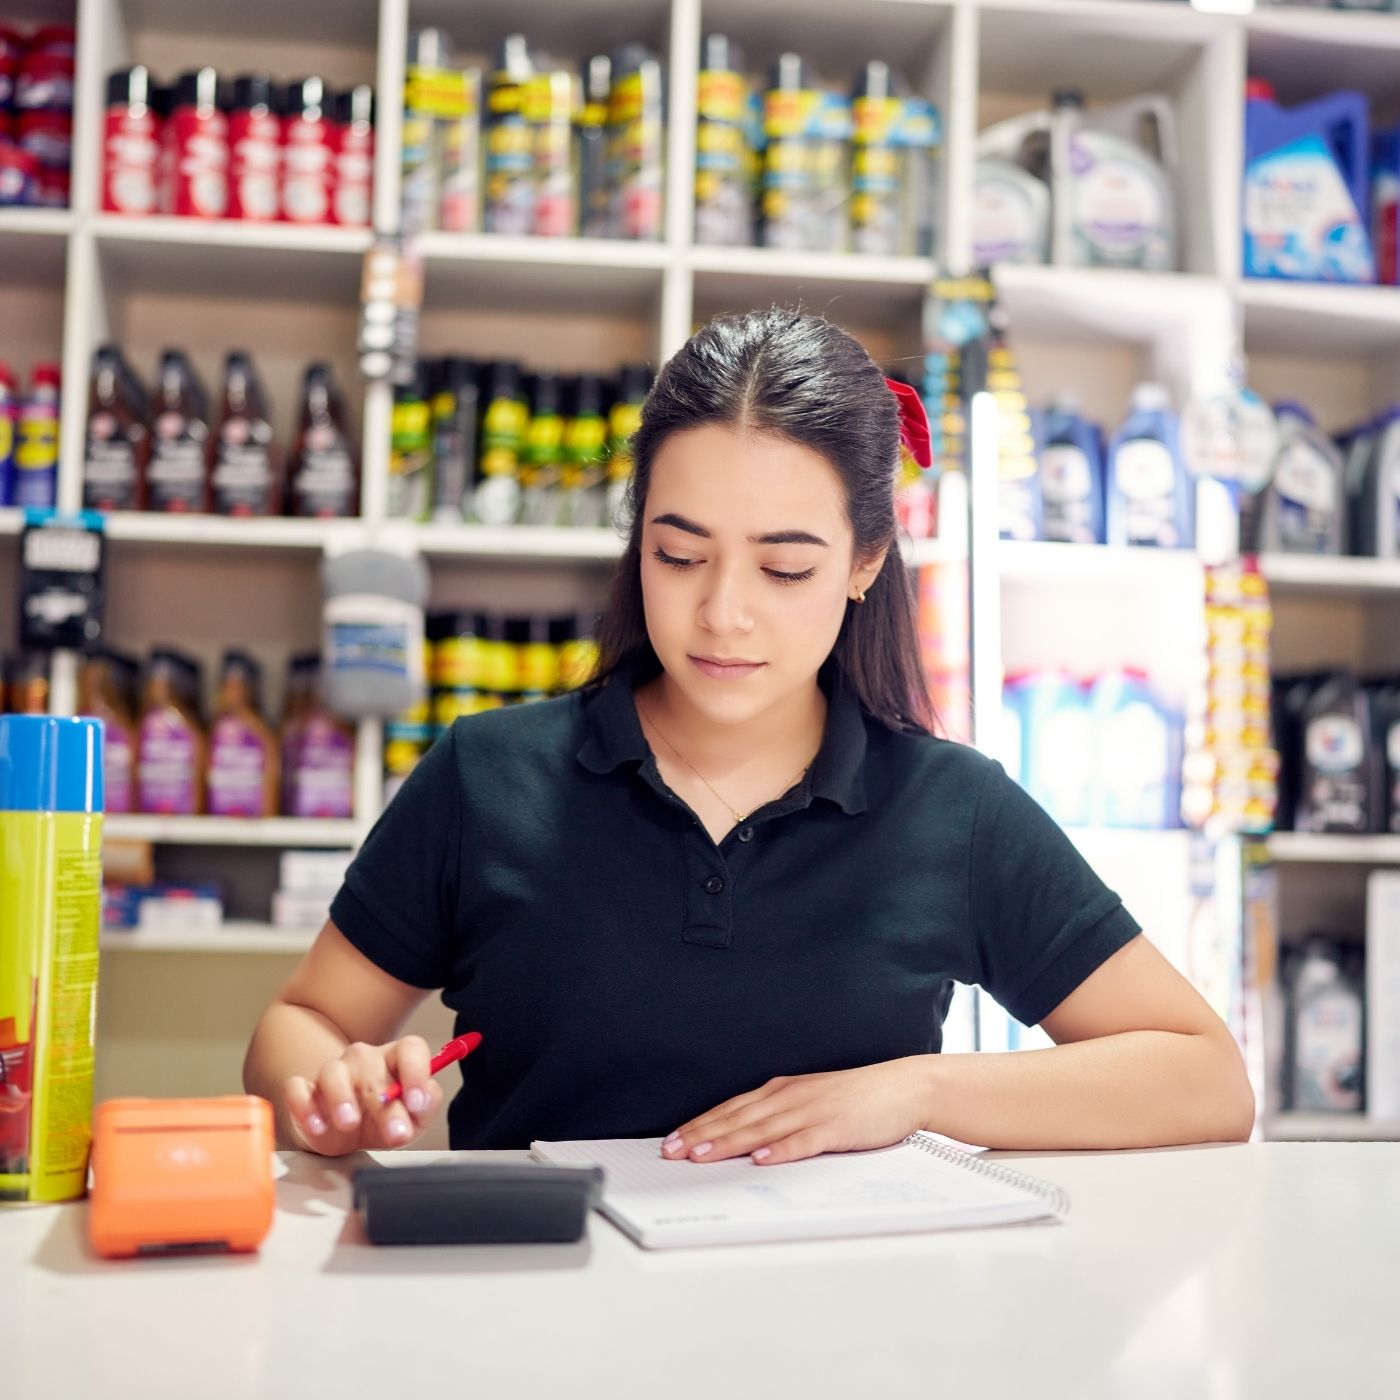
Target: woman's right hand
[340, 1110]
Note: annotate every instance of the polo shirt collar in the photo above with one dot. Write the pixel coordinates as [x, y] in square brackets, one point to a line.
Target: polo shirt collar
[615, 735]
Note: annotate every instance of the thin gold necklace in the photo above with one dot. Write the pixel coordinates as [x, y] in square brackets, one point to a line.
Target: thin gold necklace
[724, 802]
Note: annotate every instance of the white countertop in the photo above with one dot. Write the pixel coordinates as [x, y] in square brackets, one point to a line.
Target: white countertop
[1260, 1270]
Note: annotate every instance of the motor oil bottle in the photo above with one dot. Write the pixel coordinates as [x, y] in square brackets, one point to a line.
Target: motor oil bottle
[177, 480]
[1151, 499]
[118, 441]
[1113, 198]
[1304, 505]
[1341, 782]
[1071, 475]
[243, 778]
[245, 462]
[323, 478]
[1011, 216]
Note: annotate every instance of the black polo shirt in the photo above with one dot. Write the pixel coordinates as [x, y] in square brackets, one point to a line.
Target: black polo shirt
[627, 974]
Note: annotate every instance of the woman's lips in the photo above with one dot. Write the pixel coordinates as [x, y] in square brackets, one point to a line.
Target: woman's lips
[726, 670]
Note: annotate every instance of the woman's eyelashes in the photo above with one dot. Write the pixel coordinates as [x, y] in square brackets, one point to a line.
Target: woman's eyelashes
[777, 575]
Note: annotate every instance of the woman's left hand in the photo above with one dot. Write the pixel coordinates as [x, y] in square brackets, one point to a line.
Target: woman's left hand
[801, 1115]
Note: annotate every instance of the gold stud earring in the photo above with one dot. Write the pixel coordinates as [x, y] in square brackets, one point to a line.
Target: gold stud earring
[860, 595]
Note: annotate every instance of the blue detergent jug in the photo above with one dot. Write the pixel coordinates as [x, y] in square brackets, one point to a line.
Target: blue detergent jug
[1059, 744]
[1151, 497]
[1071, 475]
[1306, 188]
[1137, 754]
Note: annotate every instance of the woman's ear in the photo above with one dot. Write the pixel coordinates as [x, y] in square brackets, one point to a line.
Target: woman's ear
[866, 573]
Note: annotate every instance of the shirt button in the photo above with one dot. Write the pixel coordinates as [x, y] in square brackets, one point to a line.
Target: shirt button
[714, 885]
[745, 833]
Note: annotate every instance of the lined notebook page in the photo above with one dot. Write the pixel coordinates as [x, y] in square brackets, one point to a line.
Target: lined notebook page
[912, 1186]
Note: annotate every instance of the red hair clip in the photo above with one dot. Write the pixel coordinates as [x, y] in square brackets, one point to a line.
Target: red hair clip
[913, 423]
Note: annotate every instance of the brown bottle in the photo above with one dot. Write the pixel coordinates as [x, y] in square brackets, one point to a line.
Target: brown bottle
[245, 463]
[118, 442]
[177, 479]
[323, 478]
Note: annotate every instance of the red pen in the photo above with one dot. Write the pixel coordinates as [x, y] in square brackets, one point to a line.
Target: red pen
[450, 1053]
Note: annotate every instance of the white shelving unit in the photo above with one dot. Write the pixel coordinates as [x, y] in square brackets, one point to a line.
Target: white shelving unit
[235, 936]
[74, 280]
[278, 832]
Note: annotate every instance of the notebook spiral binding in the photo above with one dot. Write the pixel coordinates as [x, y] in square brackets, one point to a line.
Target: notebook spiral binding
[1054, 1196]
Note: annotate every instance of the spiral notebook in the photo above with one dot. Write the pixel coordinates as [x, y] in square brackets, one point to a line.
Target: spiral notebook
[919, 1184]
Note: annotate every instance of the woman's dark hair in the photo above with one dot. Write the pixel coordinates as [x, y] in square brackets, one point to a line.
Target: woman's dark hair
[799, 377]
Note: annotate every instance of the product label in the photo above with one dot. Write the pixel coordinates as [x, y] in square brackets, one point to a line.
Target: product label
[1300, 220]
[1305, 489]
[322, 782]
[237, 770]
[242, 480]
[324, 484]
[1334, 794]
[1005, 226]
[354, 176]
[109, 471]
[255, 150]
[118, 771]
[166, 765]
[1067, 489]
[131, 164]
[1327, 1066]
[200, 163]
[175, 474]
[1146, 475]
[307, 172]
[1119, 212]
[36, 458]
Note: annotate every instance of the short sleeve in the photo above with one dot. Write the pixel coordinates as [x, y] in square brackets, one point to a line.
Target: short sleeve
[1042, 918]
[398, 904]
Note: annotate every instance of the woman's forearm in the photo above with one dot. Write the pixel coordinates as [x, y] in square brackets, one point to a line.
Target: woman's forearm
[1135, 1089]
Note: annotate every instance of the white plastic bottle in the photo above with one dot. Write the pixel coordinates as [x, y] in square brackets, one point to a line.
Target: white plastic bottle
[1011, 202]
[1114, 200]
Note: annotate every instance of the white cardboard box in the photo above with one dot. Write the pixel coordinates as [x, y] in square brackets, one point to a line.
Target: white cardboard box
[1383, 995]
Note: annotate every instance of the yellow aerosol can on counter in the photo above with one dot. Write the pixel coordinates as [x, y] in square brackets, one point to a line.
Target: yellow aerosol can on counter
[50, 912]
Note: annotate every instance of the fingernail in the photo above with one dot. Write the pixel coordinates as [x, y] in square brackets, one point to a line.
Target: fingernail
[673, 1145]
[346, 1115]
[700, 1149]
[760, 1153]
[672, 1140]
[316, 1124]
[416, 1100]
[398, 1129]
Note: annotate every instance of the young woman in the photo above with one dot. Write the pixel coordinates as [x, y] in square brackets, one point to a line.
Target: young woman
[722, 895]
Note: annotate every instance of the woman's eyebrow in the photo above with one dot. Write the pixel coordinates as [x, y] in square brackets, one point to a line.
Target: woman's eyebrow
[679, 522]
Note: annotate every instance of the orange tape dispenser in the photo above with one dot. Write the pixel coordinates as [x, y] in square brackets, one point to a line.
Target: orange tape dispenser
[181, 1176]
